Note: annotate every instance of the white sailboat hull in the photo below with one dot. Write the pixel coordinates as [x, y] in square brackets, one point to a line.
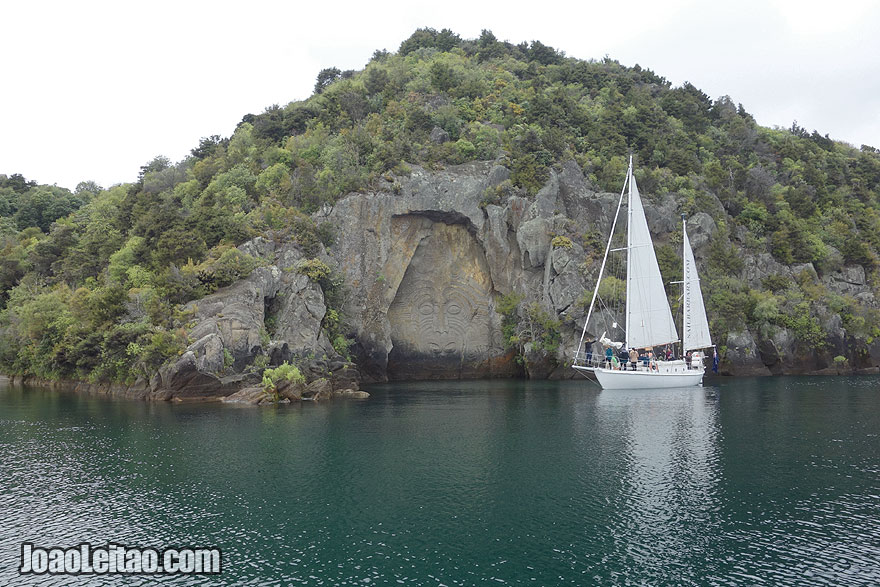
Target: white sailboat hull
[668, 375]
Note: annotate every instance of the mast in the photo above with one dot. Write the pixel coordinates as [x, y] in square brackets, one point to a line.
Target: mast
[684, 285]
[604, 260]
[629, 250]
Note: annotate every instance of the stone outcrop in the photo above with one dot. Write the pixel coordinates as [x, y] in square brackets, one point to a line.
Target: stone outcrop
[230, 330]
[425, 263]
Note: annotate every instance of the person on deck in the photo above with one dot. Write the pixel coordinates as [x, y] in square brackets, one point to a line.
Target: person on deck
[687, 359]
[622, 356]
[609, 354]
[634, 358]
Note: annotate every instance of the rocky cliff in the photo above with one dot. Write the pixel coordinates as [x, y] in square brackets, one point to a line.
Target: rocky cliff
[424, 263]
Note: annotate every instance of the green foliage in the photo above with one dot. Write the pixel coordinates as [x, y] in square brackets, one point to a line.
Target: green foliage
[41, 205]
[545, 335]
[507, 305]
[285, 372]
[776, 282]
[561, 242]
[314, 269]
[224, 265]
[612, 290]
[532, 326]
[805, 327]
[326, 77]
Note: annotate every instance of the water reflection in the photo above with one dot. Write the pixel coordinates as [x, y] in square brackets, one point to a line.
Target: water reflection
[464, 482]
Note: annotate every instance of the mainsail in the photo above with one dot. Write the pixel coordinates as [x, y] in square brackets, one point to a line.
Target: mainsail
[649, 320]
[696, 326]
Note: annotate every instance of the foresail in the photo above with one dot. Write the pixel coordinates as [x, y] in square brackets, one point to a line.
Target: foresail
[648, 317]
[696, 326]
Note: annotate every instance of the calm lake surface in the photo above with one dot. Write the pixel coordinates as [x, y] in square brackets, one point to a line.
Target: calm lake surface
[743, 481]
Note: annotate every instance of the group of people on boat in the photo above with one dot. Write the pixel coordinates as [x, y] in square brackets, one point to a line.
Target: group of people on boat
[631, 360]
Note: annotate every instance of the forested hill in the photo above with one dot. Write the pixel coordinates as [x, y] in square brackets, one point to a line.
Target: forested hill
[92, 282]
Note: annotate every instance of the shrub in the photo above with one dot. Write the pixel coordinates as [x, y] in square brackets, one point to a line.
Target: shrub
[224, 266]
[561, 242]
[284, 372]
[314, 269]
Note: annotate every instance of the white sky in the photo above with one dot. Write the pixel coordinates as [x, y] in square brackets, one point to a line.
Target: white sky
[93, 90]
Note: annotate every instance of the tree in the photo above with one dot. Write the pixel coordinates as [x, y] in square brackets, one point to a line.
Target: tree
[41, 206]
[208, 146]
[159, 163]
[544, 54]
[177, 246]
[377, 79]
[16, 182]
[87, 189]
[444, 41]
[326, 77]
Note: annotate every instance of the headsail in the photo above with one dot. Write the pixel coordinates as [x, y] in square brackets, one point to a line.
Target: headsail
[649, 320]
[696, 326]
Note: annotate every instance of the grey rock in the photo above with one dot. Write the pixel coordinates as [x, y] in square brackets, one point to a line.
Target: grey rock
[661, 216]
[701, 227]
[438, 135]
[300, 312]
[291, 391]
[545, 204]
[497, 175]
[742, 355]
[248, 395]
[534, 242]
[356, 394]
[259, 247]
[319, 389]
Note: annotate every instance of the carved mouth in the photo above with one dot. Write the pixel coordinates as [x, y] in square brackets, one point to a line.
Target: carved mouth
[444, 350]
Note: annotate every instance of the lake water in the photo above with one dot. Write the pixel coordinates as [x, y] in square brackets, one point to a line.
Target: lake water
[743, 481]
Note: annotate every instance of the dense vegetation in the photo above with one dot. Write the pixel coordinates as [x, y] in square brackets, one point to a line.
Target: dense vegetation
[91, 281]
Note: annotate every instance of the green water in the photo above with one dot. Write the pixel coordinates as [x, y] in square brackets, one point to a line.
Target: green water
[747, 481]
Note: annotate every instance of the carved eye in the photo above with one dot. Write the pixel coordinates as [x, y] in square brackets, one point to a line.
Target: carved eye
[426, 309]
[453, 309]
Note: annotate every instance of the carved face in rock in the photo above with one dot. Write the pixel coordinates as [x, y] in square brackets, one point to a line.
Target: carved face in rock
[441, 310]
[442, 318]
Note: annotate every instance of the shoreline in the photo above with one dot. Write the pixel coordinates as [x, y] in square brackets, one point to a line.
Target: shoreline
[142, 392]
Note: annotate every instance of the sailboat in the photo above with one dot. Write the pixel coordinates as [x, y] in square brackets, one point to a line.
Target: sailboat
[648, 318]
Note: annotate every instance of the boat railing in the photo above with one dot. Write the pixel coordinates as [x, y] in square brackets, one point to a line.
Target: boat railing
[598, 360]
[588, 359]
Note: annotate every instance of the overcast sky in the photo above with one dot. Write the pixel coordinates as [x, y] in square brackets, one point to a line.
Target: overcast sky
[93, 90]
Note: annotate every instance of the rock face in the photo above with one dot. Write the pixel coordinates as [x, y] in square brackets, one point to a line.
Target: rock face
[231, 332]
[426, 263]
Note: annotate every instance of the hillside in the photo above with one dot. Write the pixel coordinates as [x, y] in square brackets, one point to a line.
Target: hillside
[111, 284]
